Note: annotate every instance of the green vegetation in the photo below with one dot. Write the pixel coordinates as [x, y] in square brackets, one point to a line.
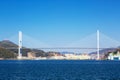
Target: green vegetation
[114, 52]
[4, 53]
[9, 50]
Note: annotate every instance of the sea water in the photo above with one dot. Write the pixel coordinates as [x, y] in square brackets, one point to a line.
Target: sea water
[59, 70]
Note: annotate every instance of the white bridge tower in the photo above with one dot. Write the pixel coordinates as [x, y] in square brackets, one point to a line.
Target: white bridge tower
[20, 45]
[98, 45]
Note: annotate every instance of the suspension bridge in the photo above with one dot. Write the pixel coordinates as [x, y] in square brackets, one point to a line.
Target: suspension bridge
[92, 43]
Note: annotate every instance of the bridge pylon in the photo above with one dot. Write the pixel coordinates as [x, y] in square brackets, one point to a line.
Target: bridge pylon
[20, 45]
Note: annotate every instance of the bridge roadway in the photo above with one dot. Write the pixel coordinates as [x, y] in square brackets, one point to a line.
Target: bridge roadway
[61, 48]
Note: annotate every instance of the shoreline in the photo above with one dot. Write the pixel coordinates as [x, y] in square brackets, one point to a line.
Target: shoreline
[61, 59]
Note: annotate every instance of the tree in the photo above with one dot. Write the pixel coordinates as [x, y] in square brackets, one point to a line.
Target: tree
[4, 53]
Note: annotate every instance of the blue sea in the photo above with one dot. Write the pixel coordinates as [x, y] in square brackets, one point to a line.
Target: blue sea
[59, 70]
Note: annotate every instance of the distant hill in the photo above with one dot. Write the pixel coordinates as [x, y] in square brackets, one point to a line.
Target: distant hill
[65, 52]
[9, 49]
[8, 44]
[103, 53]
[4, 53]
[105, 50]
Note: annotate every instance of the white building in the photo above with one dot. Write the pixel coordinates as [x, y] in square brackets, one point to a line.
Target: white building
[77, 57]
[113, 56]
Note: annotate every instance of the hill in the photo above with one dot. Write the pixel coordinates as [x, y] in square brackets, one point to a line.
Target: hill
[7, 44]
[9, 49]
[103, 53]
[4, 53]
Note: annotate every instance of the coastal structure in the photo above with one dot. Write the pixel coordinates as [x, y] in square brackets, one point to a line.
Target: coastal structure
[77, 56]
[56, 57]
[114, 56]
[31, 55]
[65, 57]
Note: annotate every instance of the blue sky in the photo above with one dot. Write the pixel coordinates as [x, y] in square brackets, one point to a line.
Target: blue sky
[59, 21]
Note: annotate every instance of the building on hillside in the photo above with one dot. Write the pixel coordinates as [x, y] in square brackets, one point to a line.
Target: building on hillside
[114, 56]
[31, 55]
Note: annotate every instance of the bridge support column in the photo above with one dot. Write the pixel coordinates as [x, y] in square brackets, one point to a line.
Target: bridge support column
[20, 45]
[98, 44]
